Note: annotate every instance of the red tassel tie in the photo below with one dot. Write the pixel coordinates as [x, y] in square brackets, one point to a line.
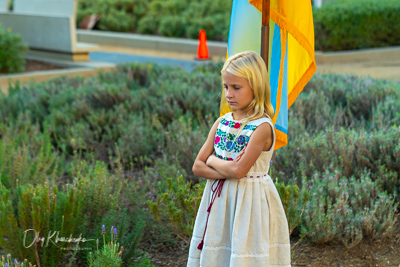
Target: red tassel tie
[216, 192]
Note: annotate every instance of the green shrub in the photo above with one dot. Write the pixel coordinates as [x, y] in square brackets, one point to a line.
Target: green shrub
[142, 261]
[104, 116]
[172, 26]
[336, 101]
[294, 201]
[350, 25]
[73, 209]
[175, 206]
[42, 211]
[347, 210]
[130, 225]
[110, 254]
[148, 25]
[116, 15]
[350, 153]
[168, 18]
[339, 25]
[14, 263]
[183, 142]
[147, 122]
[114, 251]
[343, 123]
[26, 155]
[11, 52]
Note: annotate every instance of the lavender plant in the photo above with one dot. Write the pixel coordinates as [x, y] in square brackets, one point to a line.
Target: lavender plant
[26, 154]
[347, 209]
[110, 254]
[294, 201]
[7, 262]
[43, 215]
[175, 206]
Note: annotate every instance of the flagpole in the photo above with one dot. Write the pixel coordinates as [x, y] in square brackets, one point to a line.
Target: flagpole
[265, 31]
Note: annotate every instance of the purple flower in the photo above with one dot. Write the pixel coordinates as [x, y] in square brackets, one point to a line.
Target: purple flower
[172, 194]
[165, 190]
[115, 235]
[6, 264]
[112, 228]
[226, 123]
[103, 230]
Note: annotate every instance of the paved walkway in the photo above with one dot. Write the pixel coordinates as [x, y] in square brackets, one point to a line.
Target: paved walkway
[117, 58]
[376, 67]
[377, 63]
[380, 70]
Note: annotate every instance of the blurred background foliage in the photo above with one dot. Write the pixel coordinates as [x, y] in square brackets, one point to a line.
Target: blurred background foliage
[339, 25]
[12, 50]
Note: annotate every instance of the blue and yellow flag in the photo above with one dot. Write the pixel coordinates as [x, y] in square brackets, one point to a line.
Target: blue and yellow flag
[291, 61]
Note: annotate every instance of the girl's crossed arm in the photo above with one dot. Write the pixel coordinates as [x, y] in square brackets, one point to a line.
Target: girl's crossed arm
[199, 167]
[260, 139]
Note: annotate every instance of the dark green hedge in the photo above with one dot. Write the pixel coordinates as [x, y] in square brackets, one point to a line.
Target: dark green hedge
[174, 18]
[12, 50]
[350, 25]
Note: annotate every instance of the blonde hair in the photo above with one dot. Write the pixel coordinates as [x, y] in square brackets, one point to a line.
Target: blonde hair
[251, 66]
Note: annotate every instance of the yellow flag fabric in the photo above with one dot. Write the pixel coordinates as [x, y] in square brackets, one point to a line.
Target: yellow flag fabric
[291, 55]
[295, 17]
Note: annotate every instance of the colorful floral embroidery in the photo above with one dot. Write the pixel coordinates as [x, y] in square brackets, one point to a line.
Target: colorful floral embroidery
[241, 140]
[217, 139]
[224, 158]
[227, 143]
[250, 127]
[236, 125]
[230, 145]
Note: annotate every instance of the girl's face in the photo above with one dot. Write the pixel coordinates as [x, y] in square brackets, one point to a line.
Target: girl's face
[238, 92]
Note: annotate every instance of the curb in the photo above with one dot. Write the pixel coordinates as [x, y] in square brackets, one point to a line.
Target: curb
[386, 54]
[38, 76]
[218, 49]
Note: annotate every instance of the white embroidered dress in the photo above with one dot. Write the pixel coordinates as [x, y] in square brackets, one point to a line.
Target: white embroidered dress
[247, 225]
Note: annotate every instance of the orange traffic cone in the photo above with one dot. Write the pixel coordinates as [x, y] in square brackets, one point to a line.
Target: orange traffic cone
[202, 50]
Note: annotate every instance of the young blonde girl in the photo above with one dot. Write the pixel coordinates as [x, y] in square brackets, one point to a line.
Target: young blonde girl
[240, 221]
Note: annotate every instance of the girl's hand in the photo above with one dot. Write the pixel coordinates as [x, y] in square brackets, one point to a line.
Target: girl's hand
[209, 159]
[239, 156]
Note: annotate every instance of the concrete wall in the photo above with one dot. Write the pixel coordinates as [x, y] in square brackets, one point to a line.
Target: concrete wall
[64, 8]
[4, 5]
[39, 32]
